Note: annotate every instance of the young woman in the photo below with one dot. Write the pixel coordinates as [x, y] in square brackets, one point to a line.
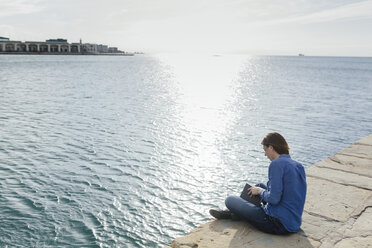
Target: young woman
[284, 193]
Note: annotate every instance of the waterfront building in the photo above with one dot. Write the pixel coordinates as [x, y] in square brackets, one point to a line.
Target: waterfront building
[75, 47]
[113, 50]
[90, 48]
[53, 46]
[102, 48]
[9, 45]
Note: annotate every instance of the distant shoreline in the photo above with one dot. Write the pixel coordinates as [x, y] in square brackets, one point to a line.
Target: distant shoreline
[59, 53]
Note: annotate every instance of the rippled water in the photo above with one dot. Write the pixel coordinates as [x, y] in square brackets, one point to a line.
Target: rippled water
[132, 151]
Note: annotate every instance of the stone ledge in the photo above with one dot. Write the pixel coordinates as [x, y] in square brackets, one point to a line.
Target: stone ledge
[346, 163]
[338, 210]
[225, 233]
[337, 176]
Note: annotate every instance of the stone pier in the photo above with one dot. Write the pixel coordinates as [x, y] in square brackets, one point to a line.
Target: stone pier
[338, 210]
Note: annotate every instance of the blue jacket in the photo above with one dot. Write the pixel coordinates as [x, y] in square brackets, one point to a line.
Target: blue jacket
[286, 192]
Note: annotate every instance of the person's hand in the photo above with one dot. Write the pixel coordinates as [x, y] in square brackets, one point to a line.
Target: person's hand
[254, 191]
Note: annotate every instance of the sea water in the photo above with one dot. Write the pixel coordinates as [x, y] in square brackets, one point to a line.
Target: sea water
[132, 151]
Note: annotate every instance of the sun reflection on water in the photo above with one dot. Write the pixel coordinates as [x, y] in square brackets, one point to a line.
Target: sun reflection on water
[207, 91]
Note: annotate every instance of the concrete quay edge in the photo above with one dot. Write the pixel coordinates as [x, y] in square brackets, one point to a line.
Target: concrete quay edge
[338, 210]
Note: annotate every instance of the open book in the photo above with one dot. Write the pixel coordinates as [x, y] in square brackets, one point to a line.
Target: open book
[256, 200]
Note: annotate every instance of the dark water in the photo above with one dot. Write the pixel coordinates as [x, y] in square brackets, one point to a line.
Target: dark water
[132, 151]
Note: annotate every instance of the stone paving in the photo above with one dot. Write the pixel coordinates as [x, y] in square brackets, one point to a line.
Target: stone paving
[338, 210]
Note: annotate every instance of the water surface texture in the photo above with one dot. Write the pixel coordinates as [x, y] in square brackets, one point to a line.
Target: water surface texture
[113, 151]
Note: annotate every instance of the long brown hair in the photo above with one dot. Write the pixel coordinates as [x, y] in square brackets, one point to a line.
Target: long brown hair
[277, 141]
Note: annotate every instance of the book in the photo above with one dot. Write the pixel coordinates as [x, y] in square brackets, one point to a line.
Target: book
[256, 200]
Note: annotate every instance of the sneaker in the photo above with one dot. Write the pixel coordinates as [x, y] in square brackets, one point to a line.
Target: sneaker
[220, 214]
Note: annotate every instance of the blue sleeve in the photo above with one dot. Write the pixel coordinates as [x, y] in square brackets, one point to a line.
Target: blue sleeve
[261, 185]
[262, 192]
[274, 193]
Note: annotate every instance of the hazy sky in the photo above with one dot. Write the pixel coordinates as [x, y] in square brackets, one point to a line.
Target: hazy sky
[312, 27]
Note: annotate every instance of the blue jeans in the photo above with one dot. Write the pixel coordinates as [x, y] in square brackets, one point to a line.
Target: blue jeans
[256, 216]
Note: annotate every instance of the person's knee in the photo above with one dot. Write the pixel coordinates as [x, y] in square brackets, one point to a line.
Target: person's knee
[229, 202]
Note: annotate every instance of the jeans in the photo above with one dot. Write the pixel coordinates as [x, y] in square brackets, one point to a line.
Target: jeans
[254, 215]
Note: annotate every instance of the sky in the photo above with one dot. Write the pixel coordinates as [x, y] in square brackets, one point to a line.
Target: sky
[258, 27]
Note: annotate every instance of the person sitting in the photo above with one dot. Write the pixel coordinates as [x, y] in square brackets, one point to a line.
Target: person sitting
[284, 195]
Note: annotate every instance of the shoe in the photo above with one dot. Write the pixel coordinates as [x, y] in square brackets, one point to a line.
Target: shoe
[220, 214]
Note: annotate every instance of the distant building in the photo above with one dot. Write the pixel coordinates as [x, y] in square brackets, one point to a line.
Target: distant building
[90, 48]
[9, 45]
[113, 50]
[76, 48]
[102, 48]
[59, 40]
[55, 46]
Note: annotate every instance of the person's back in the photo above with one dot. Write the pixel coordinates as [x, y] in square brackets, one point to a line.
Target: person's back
[290, 207]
